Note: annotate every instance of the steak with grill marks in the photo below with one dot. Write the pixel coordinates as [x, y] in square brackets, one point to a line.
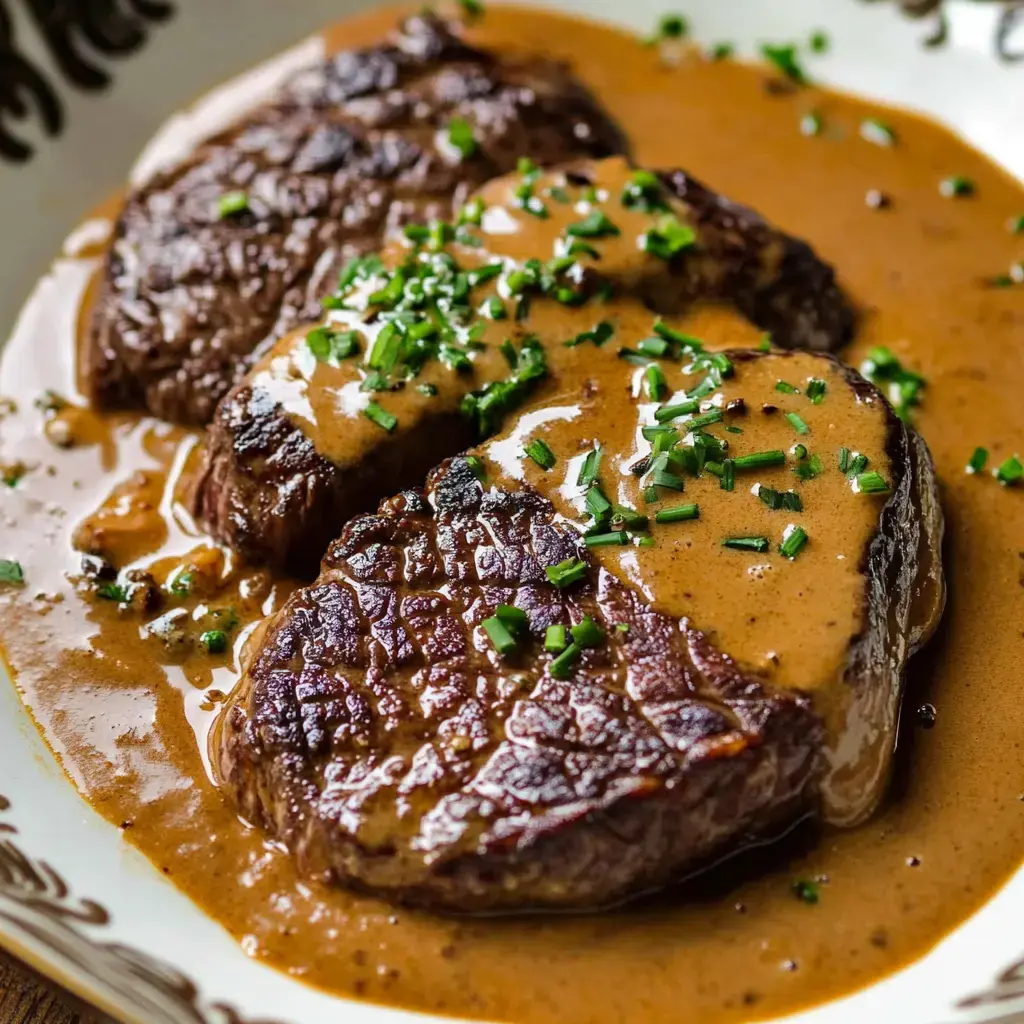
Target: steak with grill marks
[379, 734]
[350, 148]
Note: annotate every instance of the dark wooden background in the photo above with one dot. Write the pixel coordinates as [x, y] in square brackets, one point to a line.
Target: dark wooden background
[25, 998]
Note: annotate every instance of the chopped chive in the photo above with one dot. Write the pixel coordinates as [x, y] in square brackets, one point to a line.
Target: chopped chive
[663, 478]
[858, 463]
[670, 26]
[555, 639]
[629, 518]
[515, 619]
[721, 51]
[494, 308]
[1016, 225]
[820, 42]
[654, 380]
[499, 635]
[705, 420]
[589, 469]
[956, 186]
[1010, 471]
[539, 452]
[784, 59]
[598, 505]
[644, 193]
[904, 386]
[870, 483]
[668, 238]
[654, 347]
[758, 544]
[11, 572]
[476, 466]
[595, 225]
[786, 388]
[671, 412]
[113, 592]
[806, 891]
[599, 335]
[876, 131]
[728, 479]
[604, 540]
[232, 203]
[797, 422]
[844, 459]
[799, 451]
[809, 469]
[793, 540]
[332, 346]
[214, 640]
[384, 419]
[765, 344]
[651, 494]
[561, 667]
[587, 633]
[977, 461]
[621, 627]
[816, 389]
[566, 573]
[760, 460]
[677, 514]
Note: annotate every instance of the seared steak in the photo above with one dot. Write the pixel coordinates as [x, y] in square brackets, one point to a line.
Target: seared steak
[267, 491]
[215, 259]
[384, 735]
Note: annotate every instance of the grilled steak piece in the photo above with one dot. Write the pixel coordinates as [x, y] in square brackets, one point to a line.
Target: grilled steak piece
[382, 737]
[350, 148]
[267, 489]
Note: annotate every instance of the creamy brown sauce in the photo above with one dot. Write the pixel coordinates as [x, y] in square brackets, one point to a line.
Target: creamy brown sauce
[130, 721]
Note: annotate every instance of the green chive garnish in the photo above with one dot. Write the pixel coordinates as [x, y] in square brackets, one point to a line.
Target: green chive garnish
[670, 26]
[215, 641]
[677, 514]
[793, 540]
[587, 633]
[784, 58]
[499, 635]
[786, 388]
[589, 469]
[844, 459]
[11, 572]
[671, 412]
[655, 383]
[476, 466]
[797, 422]
[656, 348]
[561, 667]
[870, 483]
[597, 504]
[1010, 471]
[555, 639]
[539, 452]
[604, 540]
[705, 420]
[809, 469]
[956, 186]
[566, 573]
[472, 9]
[806, 891]
[332, 346]
[727, 481]
[721, 51]
[876, 131]
[820, 42]
[595, 225]
[760, 460]
[1016, 225]
[977, 461]
[231, 203]
[758, 544]
[816, 389]
[668, 238]
[384, 419]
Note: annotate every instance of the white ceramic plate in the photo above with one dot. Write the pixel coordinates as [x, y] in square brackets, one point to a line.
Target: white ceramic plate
[142, 951]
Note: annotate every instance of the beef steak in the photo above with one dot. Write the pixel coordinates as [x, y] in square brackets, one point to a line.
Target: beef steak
[382, 737]
[267, 491]
[350, 148]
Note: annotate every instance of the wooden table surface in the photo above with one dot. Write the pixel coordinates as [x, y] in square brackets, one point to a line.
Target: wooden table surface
[26, 998]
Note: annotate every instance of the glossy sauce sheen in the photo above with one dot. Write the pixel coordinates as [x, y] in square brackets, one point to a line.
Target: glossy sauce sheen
[131, 729]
